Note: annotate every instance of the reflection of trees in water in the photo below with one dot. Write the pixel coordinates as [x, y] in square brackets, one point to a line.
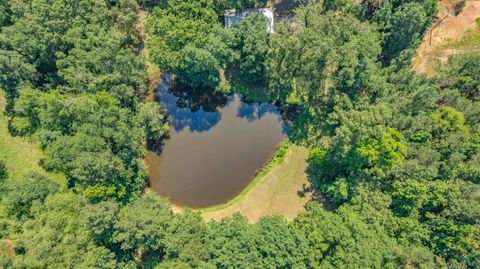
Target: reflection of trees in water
[254, 111]
[195, 99]
[196, 109]
[199, 121]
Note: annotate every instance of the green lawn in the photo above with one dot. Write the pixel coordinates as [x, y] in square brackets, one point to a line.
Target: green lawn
[21, 156]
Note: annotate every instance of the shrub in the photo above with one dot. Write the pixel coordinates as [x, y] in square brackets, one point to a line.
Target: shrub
[3, 170]
[20, 126]
[459, 5]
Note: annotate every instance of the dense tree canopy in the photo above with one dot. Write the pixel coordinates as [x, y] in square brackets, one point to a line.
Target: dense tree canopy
[57, 235]
[73, 82]
[322, 55]
[19, 196]
[188, 41]
[251, 40]
[394, 156]
[411, 138]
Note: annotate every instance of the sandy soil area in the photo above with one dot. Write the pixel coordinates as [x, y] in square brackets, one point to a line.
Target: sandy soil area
[451, 29]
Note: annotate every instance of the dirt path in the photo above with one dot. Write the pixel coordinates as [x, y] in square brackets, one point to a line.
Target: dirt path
[279, 192]
[451, 29]
[152, 70]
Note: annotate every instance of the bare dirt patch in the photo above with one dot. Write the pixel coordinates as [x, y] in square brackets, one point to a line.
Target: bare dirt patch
[450, 30]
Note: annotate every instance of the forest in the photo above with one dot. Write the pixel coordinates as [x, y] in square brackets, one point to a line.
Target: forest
[395, 155]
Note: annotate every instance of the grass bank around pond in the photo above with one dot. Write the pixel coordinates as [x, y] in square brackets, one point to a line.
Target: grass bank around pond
[153, 72]
[277, 159]
[21, 156]
[279, 189]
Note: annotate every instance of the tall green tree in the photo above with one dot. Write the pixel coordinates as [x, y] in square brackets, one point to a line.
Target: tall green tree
[19, 196]
[252, 41]
[461, 73]
[187, 40]
[342, 240]
[323, 55]
[187, 239]
[142, 226]
[57, 236]
[152, 119]
[409, 23]
[270, 243]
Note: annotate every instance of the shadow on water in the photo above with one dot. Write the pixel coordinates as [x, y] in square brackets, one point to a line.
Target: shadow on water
[255, 111]
[195, 109]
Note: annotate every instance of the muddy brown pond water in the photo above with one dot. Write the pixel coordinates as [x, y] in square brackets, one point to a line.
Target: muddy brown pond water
[216, 145]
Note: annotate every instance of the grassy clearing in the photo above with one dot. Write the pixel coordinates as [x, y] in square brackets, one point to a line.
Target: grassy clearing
[21, 156]
[281, 190]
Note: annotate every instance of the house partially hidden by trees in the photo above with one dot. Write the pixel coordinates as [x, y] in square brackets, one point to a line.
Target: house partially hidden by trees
[232, 18]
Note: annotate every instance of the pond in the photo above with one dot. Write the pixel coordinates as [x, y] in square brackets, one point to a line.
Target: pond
[216, 145]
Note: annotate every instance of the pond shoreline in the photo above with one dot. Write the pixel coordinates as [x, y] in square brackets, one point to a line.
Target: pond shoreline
[284, 191]
[217, 144]
[278, 157]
